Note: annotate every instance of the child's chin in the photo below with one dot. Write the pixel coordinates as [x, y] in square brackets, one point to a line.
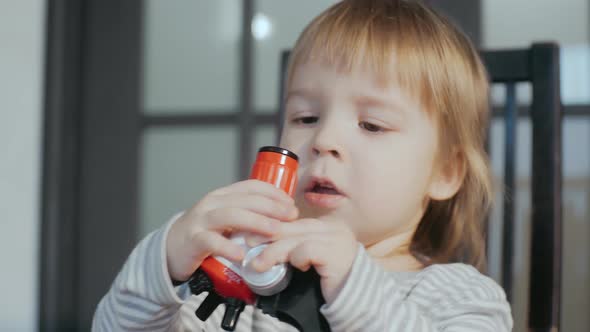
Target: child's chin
[306, 211]
[310, 212]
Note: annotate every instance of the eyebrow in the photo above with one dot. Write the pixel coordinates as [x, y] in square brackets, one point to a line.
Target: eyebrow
[360, 99]
[304, 93]
[377, 102]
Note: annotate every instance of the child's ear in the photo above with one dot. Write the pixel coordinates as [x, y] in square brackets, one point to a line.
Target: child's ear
[447, 177]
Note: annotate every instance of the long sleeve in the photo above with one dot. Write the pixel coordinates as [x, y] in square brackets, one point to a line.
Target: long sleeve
[447, 297]
[142, 296]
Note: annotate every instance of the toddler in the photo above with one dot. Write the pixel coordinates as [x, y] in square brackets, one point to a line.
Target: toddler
[386, 106]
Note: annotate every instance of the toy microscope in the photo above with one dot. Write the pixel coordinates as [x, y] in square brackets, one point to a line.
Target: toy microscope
[288, 294]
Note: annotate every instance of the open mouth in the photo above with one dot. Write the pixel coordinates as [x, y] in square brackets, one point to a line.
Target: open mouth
[323, 193]
[322, 186]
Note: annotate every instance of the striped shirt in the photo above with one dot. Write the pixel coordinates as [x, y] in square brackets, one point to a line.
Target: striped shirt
[442, 297]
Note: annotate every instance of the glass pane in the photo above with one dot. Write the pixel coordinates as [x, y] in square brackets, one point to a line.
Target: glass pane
[265, 135]
[574, 64]
[275, 27]
[180, 166]
[524, 93]
[191, 62]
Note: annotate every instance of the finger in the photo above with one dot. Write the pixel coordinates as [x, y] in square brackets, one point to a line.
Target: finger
[257, 187]
[253, 240]
[308, 253]
[275, 253]
[235, 219]
[213, 243]
[263, 205]
[302, 227]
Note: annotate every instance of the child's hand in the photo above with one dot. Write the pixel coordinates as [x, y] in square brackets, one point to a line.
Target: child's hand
[327, 246]
[251, 206]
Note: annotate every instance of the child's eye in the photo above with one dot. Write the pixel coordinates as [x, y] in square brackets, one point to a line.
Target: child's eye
[305, 120]
[370, 127]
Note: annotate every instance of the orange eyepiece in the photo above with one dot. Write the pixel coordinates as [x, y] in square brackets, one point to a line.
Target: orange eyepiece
[276, 166]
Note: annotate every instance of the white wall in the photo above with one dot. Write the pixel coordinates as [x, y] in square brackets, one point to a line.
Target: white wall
[513, 23]
[22, 31]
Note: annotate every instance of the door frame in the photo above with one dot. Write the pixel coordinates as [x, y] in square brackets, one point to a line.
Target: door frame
[89, 183]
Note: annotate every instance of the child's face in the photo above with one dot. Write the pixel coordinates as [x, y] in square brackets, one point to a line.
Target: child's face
[373, 143]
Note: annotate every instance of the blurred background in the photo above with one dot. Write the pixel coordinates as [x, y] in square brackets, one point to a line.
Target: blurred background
[114, 115]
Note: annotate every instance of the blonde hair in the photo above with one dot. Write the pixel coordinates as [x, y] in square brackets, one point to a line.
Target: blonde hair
[436, 63]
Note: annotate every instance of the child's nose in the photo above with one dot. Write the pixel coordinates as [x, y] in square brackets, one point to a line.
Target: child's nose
[318, 152]
[326, 142]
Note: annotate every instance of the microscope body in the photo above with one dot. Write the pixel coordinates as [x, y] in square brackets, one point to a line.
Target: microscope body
[291, 296]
